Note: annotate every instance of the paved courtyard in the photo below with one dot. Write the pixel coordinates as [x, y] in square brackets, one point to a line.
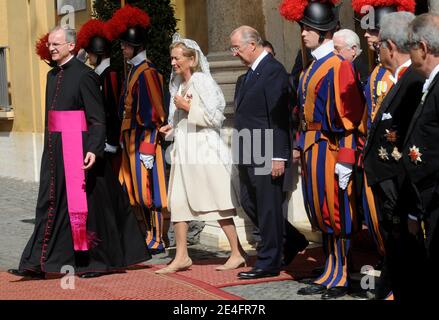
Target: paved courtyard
[17, 207]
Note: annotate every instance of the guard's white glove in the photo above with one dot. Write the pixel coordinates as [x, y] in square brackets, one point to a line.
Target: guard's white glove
[109, 148]
[148, 160]
[344, 171]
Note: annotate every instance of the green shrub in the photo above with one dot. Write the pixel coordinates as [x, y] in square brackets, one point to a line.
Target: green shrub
[163, 26]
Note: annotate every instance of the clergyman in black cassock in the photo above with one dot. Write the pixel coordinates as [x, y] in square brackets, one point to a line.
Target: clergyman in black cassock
[114, 240]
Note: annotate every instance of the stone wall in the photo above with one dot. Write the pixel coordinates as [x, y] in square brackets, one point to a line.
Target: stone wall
[434, 6]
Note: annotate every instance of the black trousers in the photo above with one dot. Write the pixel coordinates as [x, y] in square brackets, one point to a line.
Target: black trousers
[429, 203]
[404, 259]
[293, 240]
[262, 198]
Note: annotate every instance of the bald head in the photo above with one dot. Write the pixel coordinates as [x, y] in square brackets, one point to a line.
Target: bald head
[424, 43]
[248, 34]
[246, 44]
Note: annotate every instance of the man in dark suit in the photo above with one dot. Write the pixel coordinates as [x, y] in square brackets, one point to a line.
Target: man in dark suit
[261, 119]
[421, 148]
[383, 149]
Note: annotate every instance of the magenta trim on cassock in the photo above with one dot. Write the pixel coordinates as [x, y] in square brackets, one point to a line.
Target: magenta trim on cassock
[71, 124]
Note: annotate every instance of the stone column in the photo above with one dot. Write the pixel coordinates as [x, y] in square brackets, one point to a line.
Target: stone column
[434, 6]
[223, 17]
[263, 15]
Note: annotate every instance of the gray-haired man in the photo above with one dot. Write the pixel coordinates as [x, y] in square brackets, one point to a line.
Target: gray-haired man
[383, 150]
[421, 150]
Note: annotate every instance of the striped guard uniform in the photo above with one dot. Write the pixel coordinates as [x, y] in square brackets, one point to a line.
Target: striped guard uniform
[331, 108]
[143, 114]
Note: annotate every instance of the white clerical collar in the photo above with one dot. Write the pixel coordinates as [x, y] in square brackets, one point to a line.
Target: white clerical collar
[430, 78]
[258, 60]
[323, 50]
[102, 66]
[67, 61]
[141, 57]
[395, 77]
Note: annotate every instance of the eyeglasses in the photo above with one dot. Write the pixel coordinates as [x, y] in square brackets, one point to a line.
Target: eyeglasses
[377, 45]
[235, 49]
[55, 45]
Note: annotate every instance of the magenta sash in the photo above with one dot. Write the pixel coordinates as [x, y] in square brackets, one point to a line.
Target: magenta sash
[71, 124]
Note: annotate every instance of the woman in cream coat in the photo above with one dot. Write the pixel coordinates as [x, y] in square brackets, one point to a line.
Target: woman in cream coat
[201, 185]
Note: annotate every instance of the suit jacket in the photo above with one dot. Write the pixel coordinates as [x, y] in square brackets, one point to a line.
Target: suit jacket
[394, 114]
[261, 103]
[423, 134]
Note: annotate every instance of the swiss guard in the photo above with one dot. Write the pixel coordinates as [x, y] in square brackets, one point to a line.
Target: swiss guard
[331, 106]
[376, 89]
[93, 39]
[142, 172]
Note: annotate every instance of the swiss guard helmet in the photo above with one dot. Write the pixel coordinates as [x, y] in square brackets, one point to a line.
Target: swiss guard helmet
[135, 36]
[92, 38]
[380, 9]
[320, 16]
[317, 14]
[129, 24]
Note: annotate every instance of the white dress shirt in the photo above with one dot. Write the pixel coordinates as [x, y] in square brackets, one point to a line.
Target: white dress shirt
[430, 78]
[141, 56]
[102, 66]
[395, 77]
[258, 60]
[323, 50]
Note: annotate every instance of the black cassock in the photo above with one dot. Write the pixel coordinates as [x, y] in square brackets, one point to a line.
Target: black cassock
[115, 238]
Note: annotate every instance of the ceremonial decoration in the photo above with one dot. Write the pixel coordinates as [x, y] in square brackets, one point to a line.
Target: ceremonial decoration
[396, 154]
[383, 154]
[415, 155]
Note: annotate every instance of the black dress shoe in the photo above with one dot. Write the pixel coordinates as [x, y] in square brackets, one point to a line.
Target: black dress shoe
[334, 293]
[27, 273]
[89, 275]
[256, 274]
[312, 289]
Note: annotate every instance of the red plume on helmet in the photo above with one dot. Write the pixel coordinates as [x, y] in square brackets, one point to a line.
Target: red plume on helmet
[401, 5]
[293, 9]
[125, 18]
[90, 29]
[42, 50]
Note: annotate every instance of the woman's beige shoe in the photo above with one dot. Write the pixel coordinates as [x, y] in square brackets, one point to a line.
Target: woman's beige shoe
[242, 262]
[171, 269]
